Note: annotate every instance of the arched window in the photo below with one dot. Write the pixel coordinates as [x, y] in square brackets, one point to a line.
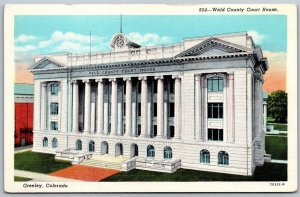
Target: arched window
[223, 158]
[91, 146]
[54, 143]
[167, 152]
[204, 156]
[150, 151]
[45, 142]
[78, 145]
[215, 84]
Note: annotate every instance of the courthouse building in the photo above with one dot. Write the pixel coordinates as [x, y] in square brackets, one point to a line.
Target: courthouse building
[197, 104]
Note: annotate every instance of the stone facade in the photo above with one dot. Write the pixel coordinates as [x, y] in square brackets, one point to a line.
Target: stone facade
[199, 102]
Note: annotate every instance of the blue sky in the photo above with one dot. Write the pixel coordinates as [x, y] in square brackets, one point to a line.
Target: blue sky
[56, 34]
[51, 34]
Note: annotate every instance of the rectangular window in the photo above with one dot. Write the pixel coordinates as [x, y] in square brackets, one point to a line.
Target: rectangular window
[215, 134]
[172, 109]
[54, 108]
[54, 125]
[54, 88]
[139, 109]
[215, 84]
[215, 110]
[155, 109]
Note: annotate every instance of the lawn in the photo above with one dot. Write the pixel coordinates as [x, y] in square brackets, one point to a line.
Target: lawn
[277, 147]
[38, 162]
[280, 127]
[268, 172]
[21, 179]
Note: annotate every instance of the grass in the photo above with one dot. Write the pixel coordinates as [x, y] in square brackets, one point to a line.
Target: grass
[277, 147]
[38, 162]
[21, 179]
[280, 127]
[268, 172]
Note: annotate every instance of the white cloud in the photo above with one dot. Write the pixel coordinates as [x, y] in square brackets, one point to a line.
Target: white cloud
[149, 38]
[276, 60]
[70, 41]
[24, 38]
[24, 48]
[257, 37]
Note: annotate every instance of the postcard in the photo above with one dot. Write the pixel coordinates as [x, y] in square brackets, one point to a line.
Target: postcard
[150, 98]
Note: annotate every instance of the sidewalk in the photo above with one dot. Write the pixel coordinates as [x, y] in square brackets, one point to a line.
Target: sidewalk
[279, 161]
[41, 177]
[23, 148]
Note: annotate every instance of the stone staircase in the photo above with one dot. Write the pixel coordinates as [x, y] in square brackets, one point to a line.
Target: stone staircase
[105, 161]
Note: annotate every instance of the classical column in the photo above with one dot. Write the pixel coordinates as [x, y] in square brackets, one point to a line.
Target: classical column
[106, 109]
[144, 98]
[128, 106]
[149, 110]
[100, 92]
[114, 106]
[160, 106]
[166, 114]
[75, 106]
[120, 109]
[43, 106]
[87, 106]
[198, 107]
[177, 119]
[257, 95]
[134, 107]
[230, 107]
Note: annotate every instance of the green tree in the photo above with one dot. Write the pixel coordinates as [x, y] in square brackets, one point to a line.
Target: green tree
[277, 106]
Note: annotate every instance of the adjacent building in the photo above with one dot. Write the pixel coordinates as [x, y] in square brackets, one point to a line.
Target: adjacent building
[23, 96]
[197, 104]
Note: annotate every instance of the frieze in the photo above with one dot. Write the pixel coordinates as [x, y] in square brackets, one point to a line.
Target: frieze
[121, 71]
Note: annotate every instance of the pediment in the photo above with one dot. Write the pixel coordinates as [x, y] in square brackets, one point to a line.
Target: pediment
[46, 63]
[213, 47]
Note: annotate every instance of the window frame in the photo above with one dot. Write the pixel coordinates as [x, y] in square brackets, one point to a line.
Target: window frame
[54, 142]
[168, 152]
[204, 156]
[215, 84]
[53, 123]
[91, 146]
[78, 142]
[224, 156]
[54, 109]
[45, 142]
[54, 88]
[219, 139]
[211, 113]
[150, 151]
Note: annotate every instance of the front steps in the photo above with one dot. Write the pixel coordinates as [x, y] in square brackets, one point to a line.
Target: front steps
[105, 161]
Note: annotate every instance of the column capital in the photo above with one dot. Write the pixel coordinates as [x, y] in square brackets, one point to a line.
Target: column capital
[198, 77]
[86, 80]
[159, 77]
[112, 79]
[176, 76]
[99, 80]
[230, 76]
[74, 81]
[127, 79]
[143, 78]
[44, 83]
